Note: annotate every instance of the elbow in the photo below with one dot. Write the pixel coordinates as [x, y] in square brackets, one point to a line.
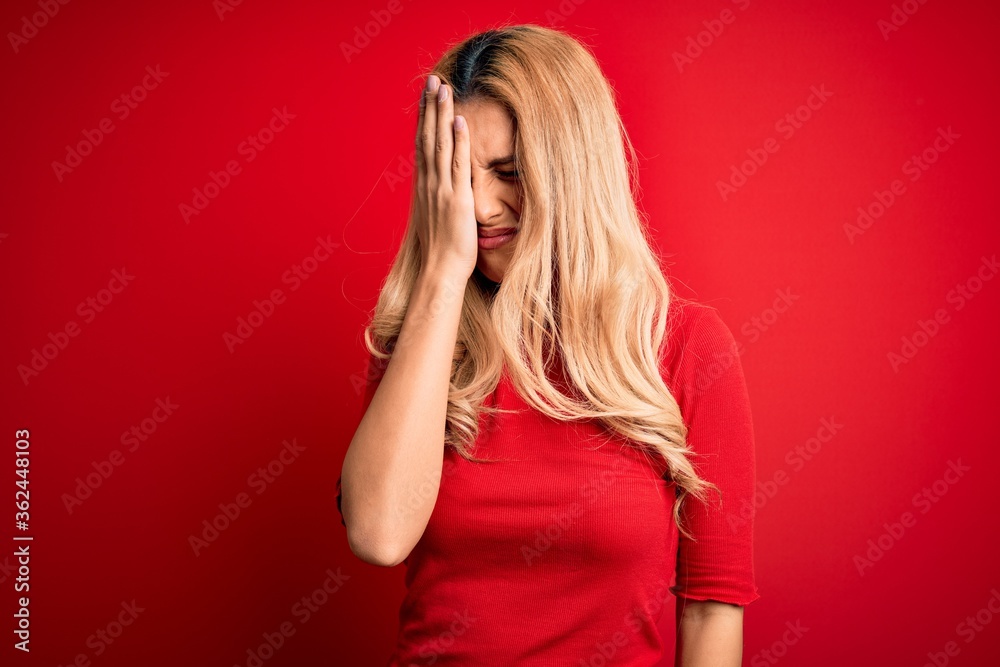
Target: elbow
[372, 534]
[375, 550]
[700, 610]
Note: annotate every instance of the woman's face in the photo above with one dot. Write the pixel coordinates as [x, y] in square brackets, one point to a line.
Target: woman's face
[495, 185]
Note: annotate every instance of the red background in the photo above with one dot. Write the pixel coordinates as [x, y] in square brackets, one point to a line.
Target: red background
[329, 174]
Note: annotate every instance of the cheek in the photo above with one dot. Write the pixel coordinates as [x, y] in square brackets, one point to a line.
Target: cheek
[515, 199]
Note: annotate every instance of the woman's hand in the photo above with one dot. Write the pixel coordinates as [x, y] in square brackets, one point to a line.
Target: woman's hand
[443, 207]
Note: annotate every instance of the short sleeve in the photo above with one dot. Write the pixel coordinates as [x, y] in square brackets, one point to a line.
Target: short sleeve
[367, 385]
[711, 390]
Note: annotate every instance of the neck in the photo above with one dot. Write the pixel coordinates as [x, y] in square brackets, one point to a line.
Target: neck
[488, 285]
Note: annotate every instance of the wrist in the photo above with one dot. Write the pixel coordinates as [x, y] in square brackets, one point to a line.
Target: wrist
[446, 274]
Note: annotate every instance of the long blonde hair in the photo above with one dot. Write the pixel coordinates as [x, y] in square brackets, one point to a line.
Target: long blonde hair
[584, 290]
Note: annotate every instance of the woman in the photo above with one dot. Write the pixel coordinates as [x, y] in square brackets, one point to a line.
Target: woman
[549, 435]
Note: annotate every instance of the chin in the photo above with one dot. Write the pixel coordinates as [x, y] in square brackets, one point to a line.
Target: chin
[491, 273]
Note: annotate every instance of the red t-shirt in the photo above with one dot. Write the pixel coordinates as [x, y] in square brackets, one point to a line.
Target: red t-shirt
[554, 554]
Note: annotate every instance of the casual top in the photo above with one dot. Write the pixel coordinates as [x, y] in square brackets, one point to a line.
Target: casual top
[565, 552]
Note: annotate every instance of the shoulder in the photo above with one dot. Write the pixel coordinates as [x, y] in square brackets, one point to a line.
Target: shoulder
[696, 319]
[702, 368]
[698, 343]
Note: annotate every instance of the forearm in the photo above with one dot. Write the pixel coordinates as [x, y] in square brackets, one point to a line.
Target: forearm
[709, 634]
[394, 460]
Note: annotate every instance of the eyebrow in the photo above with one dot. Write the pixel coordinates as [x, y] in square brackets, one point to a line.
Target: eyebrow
[495, 162]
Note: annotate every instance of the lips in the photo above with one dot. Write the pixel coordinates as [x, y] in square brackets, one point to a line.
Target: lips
[495, 231]
[491, 239]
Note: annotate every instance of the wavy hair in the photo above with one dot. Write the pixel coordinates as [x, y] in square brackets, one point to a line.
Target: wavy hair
[584, 293]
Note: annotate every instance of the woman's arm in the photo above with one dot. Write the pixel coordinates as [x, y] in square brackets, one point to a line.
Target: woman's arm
[715, 570]
[398, 447]
[709, 634]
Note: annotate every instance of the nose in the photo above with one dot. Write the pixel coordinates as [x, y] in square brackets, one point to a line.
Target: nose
[488, 205]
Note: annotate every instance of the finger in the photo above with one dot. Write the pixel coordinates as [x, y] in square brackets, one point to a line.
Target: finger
[420, 180]
[445, 135]
[462, 160]
[429, 130]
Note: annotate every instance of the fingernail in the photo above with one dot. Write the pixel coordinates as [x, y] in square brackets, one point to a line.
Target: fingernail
[459, 123]
[431, 82]
[442, 93]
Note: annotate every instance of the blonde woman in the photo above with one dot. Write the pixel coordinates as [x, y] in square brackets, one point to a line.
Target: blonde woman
[552, 443]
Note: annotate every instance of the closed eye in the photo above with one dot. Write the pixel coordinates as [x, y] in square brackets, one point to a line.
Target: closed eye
[507, 174]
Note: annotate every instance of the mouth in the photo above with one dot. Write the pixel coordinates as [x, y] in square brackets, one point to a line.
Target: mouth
[491, 239]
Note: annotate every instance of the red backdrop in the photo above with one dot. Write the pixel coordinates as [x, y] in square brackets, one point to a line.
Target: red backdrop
[201, 200]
